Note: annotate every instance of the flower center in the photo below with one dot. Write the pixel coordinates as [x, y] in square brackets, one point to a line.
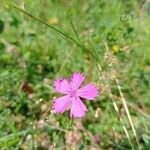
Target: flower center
[72, 93]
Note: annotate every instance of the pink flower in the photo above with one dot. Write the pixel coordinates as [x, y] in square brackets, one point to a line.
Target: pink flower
[73, 95]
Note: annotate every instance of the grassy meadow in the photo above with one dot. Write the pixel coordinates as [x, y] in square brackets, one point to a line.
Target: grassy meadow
[106, 40]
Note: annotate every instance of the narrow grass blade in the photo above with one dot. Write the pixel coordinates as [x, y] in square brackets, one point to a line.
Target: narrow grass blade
[66, 36]
[14, 135]
[115, 106]
[45, 23]
[127, 112]
[73, 27]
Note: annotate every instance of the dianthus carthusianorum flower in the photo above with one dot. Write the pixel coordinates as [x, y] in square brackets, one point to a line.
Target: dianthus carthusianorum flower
[73, 95]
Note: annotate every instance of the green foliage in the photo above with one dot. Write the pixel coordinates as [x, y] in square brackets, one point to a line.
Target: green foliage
[48, 39]
[1, 26]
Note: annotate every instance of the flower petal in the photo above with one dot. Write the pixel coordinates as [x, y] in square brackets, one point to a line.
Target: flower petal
[88, 92]
[61, 104]
[76, 80]
[62, 85]
[78, 109]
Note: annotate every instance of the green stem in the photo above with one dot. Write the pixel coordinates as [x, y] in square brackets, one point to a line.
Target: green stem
[45, 23]
[14, 135]
[55, 29]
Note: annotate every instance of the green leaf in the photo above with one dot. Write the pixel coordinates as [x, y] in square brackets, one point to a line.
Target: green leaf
[1, 26]
[15, 22]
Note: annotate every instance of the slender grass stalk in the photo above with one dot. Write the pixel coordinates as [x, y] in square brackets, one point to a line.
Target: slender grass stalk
[13, 135]
[65, 35]
[73, 27]
[139, 111]
[125, 106]
[20, 143]
[25, 132]
[116, 107]
[62, 34]
[127, 112]
[89, 55]
[56, 128]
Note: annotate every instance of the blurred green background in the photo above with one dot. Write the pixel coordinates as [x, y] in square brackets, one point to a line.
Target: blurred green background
[113, 34]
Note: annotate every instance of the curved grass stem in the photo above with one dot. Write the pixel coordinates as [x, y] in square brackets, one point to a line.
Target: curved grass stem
[62, 34]
[65, 35]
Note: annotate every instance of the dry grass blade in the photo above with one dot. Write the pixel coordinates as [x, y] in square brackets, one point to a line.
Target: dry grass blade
[127, 112]
[116, 107]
